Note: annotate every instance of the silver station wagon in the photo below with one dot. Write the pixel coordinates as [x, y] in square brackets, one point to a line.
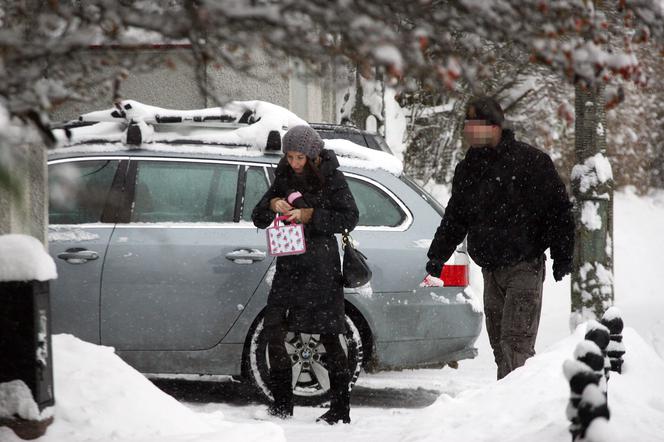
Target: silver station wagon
[157, 257]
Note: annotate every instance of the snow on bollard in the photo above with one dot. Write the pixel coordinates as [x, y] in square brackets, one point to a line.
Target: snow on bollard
[587, 370]
[579, 375]
[593, 406]
[599, 334]
[612, 320]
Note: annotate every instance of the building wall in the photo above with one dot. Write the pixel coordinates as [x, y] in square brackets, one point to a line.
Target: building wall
[173, 86]
[27, 212]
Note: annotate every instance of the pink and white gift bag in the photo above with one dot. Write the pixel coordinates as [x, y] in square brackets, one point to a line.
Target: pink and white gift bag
[285, 240]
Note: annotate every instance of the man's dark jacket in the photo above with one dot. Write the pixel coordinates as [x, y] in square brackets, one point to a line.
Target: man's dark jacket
[511, 203]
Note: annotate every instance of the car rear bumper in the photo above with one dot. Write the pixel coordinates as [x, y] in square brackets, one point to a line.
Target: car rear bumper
[423, 354]
[428, 327]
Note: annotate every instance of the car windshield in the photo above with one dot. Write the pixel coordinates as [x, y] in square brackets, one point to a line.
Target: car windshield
[424, 194]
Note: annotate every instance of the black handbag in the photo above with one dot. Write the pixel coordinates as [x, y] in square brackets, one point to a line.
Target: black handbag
[355, 270]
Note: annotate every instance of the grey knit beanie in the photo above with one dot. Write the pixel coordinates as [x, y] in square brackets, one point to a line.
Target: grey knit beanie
[302, 139]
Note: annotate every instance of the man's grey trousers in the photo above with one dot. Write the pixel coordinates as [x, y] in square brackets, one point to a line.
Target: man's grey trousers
[512, 305]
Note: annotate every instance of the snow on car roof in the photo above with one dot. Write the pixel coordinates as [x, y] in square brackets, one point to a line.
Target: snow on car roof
[354, 155]
[238, 123]
[240, 128]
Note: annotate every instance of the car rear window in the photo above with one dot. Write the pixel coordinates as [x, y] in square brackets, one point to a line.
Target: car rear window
[376, 207]
[426, 196]
[356, 138]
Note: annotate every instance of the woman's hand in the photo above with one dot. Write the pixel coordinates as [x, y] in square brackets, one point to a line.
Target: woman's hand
[300, 215]
[280, 205]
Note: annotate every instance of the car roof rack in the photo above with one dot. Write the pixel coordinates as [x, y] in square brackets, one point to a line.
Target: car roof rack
[131, 111]
[138, 121]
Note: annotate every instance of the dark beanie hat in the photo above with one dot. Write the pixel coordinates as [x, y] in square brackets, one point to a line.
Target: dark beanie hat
[302, 139]
[487, 109]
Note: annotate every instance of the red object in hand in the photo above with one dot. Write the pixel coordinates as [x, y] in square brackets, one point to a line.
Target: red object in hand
[455, 275]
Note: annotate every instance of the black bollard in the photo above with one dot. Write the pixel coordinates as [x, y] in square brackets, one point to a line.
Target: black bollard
[579, 376]
[593, 405]
[600, 335]
[612, 319]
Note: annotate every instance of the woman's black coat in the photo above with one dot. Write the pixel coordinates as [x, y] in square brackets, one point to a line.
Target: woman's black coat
[310, 285]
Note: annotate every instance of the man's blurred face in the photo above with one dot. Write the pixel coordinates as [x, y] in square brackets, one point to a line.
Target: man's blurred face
[480, 133]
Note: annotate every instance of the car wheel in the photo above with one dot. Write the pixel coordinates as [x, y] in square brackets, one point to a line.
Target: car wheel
[311, 382]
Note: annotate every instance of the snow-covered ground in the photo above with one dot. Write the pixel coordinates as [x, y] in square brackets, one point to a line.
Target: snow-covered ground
[101, 398]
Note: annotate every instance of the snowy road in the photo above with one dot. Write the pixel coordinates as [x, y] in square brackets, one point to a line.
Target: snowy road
[383, 404]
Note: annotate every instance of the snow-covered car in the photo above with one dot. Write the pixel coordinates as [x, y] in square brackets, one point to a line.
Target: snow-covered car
[149, 224]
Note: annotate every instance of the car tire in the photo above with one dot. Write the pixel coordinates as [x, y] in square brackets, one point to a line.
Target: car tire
[312, 387]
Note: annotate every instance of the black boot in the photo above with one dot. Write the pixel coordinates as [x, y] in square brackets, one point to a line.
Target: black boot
[282, 391]
[340, 399]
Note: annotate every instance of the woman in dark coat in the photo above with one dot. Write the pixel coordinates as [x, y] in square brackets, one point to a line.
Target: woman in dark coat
[307, 291]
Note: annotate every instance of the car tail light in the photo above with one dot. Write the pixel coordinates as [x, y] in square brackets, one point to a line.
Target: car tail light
[455, 275]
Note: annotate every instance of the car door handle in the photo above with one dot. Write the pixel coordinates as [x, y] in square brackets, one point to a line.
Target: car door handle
[246, 256]
[78, 255]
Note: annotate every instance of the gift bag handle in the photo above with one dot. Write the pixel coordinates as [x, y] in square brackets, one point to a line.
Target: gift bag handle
[279, 218]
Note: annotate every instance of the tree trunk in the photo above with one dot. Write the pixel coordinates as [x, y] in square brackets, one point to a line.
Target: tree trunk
[592, 185]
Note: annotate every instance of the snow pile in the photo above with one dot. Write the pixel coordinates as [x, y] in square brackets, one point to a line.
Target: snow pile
[354, 155]
[16, 400]
[24, 258]
[529, 404]
[101, 398]
[639, 243]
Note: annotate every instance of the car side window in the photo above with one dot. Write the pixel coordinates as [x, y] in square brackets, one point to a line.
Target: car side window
[255, 187]
[375, 206]
[78, 190]
[180, 191]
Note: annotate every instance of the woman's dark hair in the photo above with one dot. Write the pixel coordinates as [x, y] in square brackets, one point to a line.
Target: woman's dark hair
[312, 176]
[312, 173]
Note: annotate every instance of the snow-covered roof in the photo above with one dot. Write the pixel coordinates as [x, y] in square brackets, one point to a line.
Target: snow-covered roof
[240, 128]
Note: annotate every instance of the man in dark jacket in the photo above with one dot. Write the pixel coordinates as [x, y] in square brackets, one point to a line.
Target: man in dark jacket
[509, 199]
